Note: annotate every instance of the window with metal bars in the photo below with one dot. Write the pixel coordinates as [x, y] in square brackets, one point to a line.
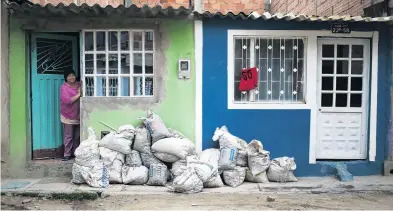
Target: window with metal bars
[118, 63]
[281, 68]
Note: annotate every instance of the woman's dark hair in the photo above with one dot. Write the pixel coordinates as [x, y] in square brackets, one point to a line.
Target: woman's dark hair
[67, 73]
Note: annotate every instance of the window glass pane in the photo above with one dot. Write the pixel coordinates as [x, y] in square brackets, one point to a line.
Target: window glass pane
[149, 63]
[356, 84]
[327, 83]
[342, 51]
[149, 86]
[113, 84]
[357, 51]
[137, 41]
[125, 86]
[327, 100]
[89, 43]
[148, 41]
[276, 48]
[342, 67]
[300, 48]
[237, 93]
[356, 100]
[328, 51]
[341, 99]
[289, 51]
[263, 48]
[89, 86]
[327, 67]
[357, 67]
[113, 63]
[137, 63]
[101, 63]
[101, 86]
[138, 83]
[125, 41]
[342, 83]
[113, 37]
[125, 63]
[89, 63]
[100, 41]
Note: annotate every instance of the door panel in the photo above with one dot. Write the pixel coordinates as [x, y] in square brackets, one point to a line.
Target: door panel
[51, 55]
[342, 98]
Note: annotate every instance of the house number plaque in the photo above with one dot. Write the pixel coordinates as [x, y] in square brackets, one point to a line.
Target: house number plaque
[341, 28]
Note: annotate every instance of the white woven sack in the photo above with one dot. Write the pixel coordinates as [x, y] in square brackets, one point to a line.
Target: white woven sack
[187, 182]
[87, 153]
[259, 178]
[214, 182]
[149, 158]
[133, 159]
[228, 158]
[79, 173]
[155, 126]
[108, 156]
[135, 175]
[174, 146]
[235, 177]
[226, 139]
[211, 156]
[115, 170]
[165, 157]
[118, 142]
[142, 141]
[281, 170]
[98, 176]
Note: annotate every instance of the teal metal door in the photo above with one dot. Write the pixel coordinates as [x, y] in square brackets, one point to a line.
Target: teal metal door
[51, 55]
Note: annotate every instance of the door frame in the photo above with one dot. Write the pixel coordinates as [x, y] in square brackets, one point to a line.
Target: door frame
[365, 89]
[312, 44]
[32, 73]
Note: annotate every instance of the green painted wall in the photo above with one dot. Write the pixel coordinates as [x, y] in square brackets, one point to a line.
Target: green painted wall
[18, 99]
[178, 108]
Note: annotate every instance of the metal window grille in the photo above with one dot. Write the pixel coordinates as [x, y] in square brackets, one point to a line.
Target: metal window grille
[281, 68]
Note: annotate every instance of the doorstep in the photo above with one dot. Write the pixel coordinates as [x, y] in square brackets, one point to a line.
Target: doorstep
[314, 185]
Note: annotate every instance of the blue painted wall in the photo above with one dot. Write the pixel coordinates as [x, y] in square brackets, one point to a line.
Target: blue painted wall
[282, 132]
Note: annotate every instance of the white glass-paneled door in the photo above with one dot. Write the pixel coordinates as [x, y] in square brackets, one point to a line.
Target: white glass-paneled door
[343, 86]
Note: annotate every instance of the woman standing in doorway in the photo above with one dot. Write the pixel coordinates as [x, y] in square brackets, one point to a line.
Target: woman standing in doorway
[70, 92]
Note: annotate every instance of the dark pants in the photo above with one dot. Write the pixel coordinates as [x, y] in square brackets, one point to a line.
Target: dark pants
[71, 138]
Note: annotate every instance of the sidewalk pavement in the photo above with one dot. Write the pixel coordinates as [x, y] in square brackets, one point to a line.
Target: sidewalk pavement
[62, 187]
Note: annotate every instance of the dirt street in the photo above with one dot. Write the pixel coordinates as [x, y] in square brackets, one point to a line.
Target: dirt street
[378, 201]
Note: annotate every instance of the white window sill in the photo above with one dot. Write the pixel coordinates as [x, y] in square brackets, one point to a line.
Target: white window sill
[272, 106]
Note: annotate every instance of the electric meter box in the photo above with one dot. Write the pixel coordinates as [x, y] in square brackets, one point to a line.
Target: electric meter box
[184, 69]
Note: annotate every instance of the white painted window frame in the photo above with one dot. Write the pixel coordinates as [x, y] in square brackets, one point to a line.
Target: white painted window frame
[311, 79]
[231, 71]
[119, 75]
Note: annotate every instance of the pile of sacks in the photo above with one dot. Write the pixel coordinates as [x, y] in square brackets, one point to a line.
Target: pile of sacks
[241, 162]
[152, 154]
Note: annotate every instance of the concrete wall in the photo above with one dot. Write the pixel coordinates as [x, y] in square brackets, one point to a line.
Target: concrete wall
[320, 7]
[176, 107]
[174, 98]
[5, 106]
[282, 132]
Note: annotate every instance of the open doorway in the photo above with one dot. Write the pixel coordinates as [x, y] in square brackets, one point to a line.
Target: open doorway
[51, 54]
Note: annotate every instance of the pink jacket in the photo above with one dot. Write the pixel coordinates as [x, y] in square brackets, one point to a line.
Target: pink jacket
[67, 109]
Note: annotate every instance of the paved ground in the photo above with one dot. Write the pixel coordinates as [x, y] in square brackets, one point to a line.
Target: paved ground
[372, 192]
[374, 201]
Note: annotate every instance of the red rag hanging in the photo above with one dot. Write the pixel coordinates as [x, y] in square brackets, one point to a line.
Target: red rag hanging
[249, 79]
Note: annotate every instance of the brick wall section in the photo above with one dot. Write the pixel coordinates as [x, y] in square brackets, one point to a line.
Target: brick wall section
[235, 6]
[324, 7]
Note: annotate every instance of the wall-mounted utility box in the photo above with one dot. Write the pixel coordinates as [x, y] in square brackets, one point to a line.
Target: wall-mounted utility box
[184, 69]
